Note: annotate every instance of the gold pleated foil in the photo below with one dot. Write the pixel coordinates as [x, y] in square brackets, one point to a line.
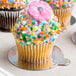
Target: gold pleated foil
[64, 16]
[30, 66]
[36, 54]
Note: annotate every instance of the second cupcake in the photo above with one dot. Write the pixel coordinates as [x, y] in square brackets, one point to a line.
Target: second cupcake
[63, 10]
[9, 12]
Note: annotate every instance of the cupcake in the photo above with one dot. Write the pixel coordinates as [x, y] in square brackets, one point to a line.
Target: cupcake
[35, 33]
[9, 12]
[63, 10]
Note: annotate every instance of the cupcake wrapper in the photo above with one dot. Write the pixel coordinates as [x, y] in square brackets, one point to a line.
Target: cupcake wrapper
[64, 16]
[8, 18]
[35, 54]
[29, 66]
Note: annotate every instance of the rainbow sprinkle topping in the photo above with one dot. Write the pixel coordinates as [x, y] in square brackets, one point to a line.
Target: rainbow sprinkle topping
[27, 31]
[12, 4]
[56, 4]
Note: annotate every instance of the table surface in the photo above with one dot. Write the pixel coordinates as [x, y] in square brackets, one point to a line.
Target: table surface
[64, 42]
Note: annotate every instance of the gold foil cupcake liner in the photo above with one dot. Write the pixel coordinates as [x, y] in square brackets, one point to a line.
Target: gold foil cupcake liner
[64, 16]
[8, 18]
[57, 59]
[36, 54]
[41, 66]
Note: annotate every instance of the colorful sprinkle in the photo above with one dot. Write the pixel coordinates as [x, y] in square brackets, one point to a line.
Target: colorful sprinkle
[15, 4]
[28, 31]
[57, 4]
[23, 28]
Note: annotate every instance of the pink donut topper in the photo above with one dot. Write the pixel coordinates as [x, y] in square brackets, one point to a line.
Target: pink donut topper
[40, 11]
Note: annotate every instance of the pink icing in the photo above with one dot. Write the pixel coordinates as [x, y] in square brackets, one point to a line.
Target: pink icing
[40, 11]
